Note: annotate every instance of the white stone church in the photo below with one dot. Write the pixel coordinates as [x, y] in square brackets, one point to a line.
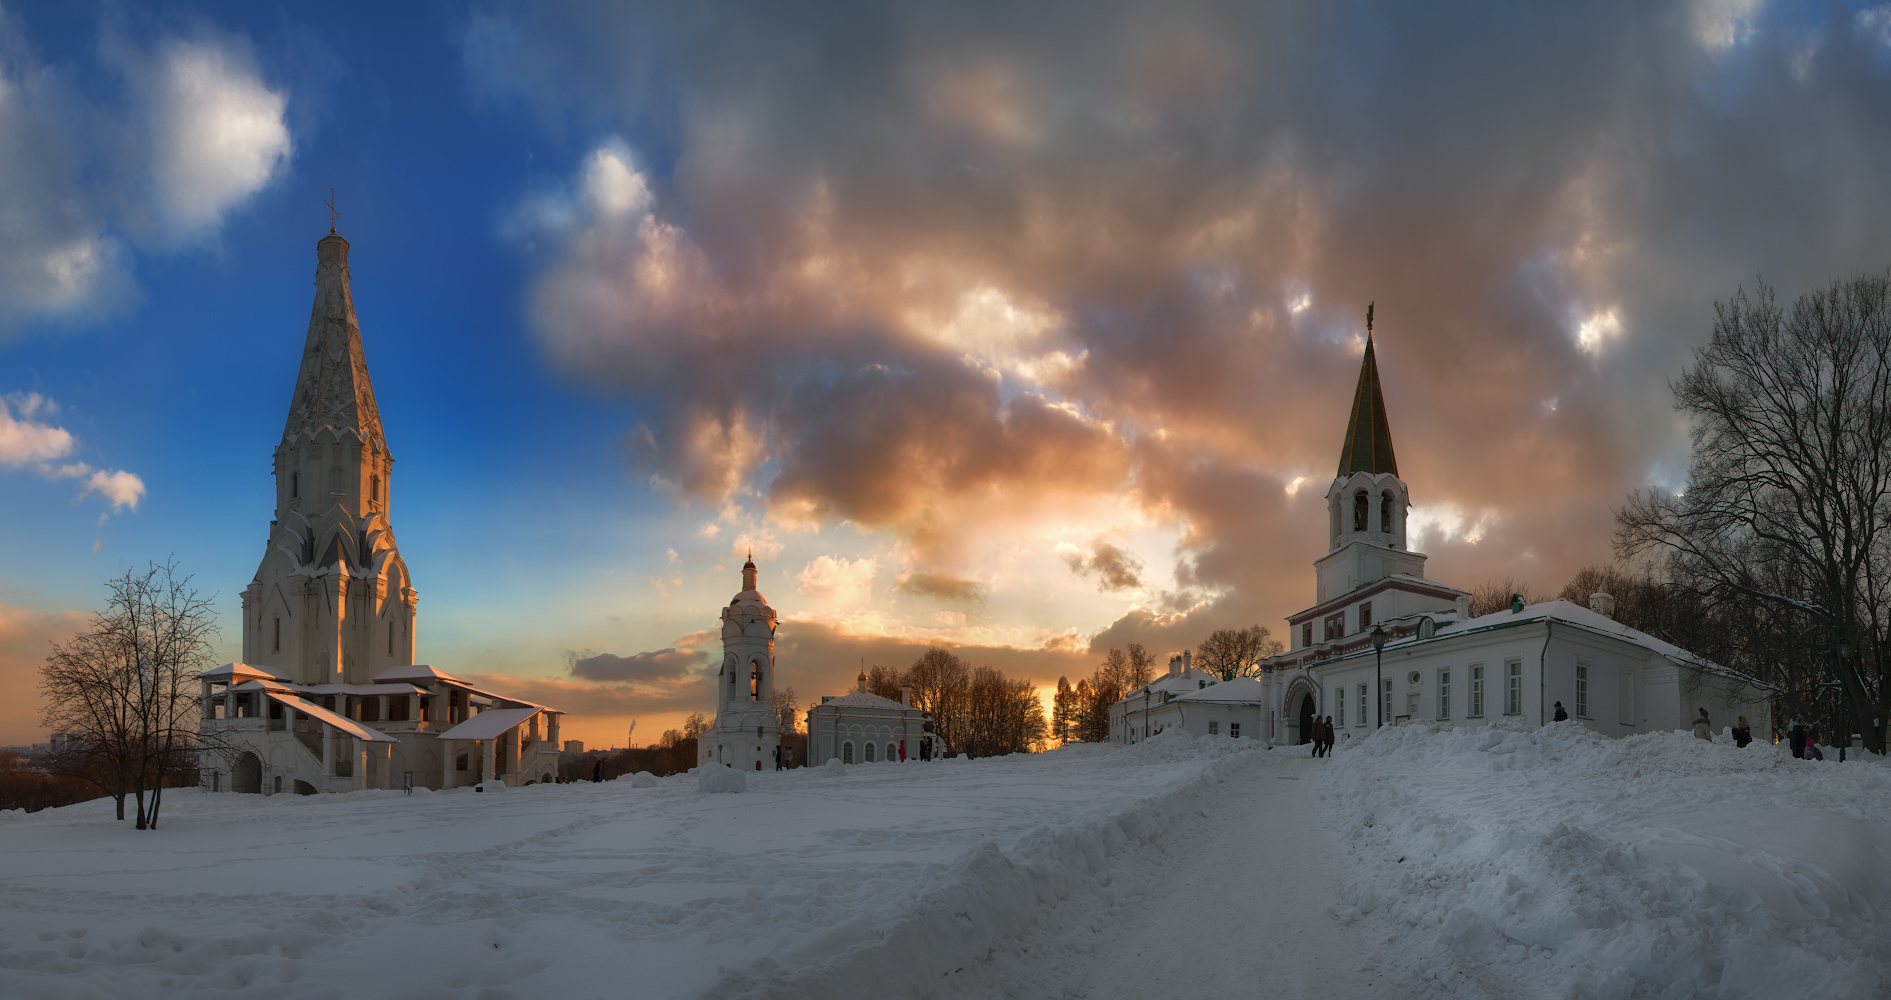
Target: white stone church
[328, 697]
[1382, 645]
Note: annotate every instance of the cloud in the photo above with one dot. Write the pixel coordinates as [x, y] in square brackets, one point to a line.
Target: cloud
[217, 132]
[660, 665]
[24, 441]
[1026, 275]
[941, 586]
[1114, 568]
[88, 171]
[26, 636]
[840, 582]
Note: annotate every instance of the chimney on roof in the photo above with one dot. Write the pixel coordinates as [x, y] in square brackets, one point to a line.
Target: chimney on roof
[1464, 605]
[1188, 661]
[1175, 665]
[1602, 604]
[906, 695]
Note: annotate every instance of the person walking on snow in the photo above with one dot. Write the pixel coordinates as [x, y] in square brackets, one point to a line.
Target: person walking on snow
[1703, 729]
[1328, 727]
[1797, 737]
[1319, 737]
[1742, 733]
[1561, 716]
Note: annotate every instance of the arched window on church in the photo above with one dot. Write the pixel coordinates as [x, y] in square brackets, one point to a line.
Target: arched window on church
[1385, 512]
[869, 749]
[755, 682]
[374, 489]
[295, 485]
[847, 752]
[1360, 508]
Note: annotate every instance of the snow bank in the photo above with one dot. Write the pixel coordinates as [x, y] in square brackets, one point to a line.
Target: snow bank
[1656, 865]
[720, 778]
[642, 779]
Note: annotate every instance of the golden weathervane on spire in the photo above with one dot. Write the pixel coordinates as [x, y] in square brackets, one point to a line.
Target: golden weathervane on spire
[333, 212]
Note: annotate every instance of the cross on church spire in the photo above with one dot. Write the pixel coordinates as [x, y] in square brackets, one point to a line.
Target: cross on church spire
[1368, 446]
[333, 212]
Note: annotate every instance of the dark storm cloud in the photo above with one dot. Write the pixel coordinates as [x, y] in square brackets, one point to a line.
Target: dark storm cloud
[660, 665]
[942, 587]
[886, 263]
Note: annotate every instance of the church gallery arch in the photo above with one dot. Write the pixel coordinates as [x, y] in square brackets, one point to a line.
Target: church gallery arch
[247, 774]
[1301, 703]
[1361, 506]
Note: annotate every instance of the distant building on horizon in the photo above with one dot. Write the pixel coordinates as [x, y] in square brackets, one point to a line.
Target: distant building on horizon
[327, 696]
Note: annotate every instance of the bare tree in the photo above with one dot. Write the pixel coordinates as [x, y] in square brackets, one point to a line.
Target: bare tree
[125, 687]
[1492, 596]
[694, 725]
[1788, 500]
[787, 710]
[884, 681]
[1235, 652]
[1142, 667]
[941, 680]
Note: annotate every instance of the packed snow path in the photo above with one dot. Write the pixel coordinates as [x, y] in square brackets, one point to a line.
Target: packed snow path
[1241, 904]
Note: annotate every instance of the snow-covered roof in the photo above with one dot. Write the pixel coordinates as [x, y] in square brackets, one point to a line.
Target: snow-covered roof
[368, 690]
[239, 671]
[415, 672]
[863, 699]
[489, 724]
[1449, 626]
[320, 714]
[1241, 689]
[1176, 684]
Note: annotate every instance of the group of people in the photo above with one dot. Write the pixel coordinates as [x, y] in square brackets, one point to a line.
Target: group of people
[1322, 736]
[1704, 729]
[1805, 745]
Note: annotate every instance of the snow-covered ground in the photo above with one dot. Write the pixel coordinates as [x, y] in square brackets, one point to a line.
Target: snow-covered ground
[909, 871]
[1488, 862]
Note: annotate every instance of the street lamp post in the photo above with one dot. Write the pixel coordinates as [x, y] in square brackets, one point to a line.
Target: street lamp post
[1844, 649]
[1378, 656]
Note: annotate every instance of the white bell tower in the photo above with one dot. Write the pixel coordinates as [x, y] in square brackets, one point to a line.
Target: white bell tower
[746, 732]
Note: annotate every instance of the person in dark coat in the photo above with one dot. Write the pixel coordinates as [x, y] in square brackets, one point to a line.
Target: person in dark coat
[1561, 716]
[1797, 737]
[597, 770]
[1328, 727]
[1742, 733]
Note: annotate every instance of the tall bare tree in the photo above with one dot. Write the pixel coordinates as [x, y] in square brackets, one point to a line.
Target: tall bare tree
[125, 688]
[1235, 652]
[1788, 499]
[1141, 667]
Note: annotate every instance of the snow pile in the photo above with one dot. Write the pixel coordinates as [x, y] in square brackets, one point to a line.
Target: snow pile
[1656, 865]
[718, 778]
[642, 779]
[834, 768]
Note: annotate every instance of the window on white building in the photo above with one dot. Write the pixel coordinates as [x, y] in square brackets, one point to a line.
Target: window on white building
[1365, 615]
[1444, 693]
[1477, 690]
[1336, 626]
[1214, 728]
[1513, 687]
[1362, 706]
[1582, 690]
[1234, 730]
[1339, 701]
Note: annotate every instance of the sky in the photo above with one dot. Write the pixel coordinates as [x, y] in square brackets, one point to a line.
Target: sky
[1029, 330]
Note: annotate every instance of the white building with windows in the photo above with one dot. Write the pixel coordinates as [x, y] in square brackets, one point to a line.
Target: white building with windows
[1440, 664]
[327, 696]
[862, 727]
[1194, 700]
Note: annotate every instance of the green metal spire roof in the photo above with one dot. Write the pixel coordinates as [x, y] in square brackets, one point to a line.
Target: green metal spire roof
[1368, 446]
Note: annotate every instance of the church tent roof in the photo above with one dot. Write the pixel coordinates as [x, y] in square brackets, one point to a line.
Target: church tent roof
[1368, 446]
